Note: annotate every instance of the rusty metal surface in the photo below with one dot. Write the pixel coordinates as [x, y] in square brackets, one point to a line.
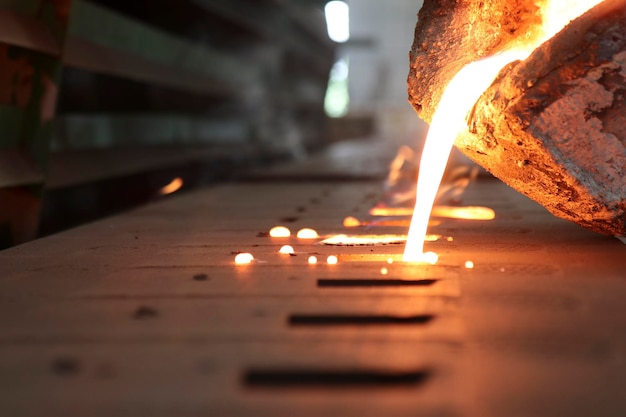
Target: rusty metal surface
[145, 313]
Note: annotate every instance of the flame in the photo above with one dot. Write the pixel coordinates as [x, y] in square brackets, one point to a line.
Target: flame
[459, 97]
[172, 186]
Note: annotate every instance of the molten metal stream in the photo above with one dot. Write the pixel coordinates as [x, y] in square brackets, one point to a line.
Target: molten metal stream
[458, 98]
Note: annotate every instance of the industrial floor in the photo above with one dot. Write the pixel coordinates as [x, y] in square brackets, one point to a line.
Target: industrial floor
[146, 314]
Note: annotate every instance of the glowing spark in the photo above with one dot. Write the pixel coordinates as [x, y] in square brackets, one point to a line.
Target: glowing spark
[280, 231]
[469, 264]
[459, 96]
[390, 261]
[172, 187]
[331, 260]
[244, 258]
[384, 271]
[312, 260]
[286, 249]
[351, 222]
[307, 233]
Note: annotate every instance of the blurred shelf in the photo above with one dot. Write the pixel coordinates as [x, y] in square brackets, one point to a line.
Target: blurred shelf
[90, 56]
[104, 41]
[28, 32]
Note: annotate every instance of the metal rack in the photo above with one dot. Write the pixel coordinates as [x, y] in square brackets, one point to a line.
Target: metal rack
[223, 76]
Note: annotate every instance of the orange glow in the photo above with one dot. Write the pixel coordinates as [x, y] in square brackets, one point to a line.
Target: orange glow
[307, 233]
[280, 231]
[331, 260]
[243, 259]
[312, 260]
[466, 213]
[458, 98]
[287, 250]
[451, 212]
[172, 187]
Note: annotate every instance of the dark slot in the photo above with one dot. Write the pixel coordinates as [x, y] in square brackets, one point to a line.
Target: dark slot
[356, 319]
[375, 282]
[298, 378]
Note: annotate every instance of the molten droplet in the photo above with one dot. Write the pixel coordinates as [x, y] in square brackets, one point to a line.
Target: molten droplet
[430, 257]
[172, 187]
[449, 238]
[351, 222]
[244, 258]
[286, 249]
[307, 233]
[390, 261]
[332, 260]
[384, 271]
[280, 231]
[469, 264]
[312, 260]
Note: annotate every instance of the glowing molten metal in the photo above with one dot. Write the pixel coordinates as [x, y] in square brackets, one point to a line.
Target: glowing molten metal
[460, 95]
[173, 186]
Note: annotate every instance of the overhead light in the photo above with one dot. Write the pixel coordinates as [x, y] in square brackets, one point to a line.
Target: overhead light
[338, 20]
